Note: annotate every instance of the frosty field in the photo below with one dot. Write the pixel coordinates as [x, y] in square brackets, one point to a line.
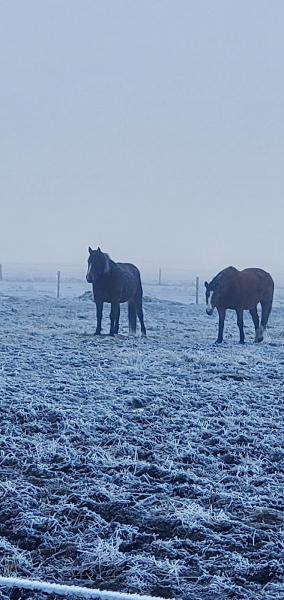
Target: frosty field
[143, 465]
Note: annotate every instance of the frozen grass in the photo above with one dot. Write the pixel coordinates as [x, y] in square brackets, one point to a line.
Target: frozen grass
[147, 466]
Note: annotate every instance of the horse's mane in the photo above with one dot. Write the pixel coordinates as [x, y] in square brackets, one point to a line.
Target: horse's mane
[109, 262]
[217, 277]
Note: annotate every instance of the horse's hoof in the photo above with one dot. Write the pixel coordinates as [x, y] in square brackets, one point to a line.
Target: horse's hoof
[97, 333]
[259, 335]
[242, 342]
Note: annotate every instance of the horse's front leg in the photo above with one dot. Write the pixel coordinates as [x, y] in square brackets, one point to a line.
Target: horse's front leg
[116, 325]
[99, 307]
[222, 313]
[240, 321]
[114, 316]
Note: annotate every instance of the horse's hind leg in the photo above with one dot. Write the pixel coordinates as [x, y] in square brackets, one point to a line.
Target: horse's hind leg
[116, 324]
[139, 310]
[255, 318]
[132, 317]
[113, 317]
[240, 321]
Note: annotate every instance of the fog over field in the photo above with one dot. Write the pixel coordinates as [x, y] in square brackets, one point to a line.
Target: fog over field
[154, 129]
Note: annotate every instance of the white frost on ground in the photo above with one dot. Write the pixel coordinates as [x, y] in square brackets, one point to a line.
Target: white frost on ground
[147, 466]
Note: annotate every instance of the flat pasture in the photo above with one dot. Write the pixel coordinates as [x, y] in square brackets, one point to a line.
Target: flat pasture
[152, 466]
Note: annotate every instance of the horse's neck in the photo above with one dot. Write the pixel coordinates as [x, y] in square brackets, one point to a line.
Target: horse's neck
[112, 266]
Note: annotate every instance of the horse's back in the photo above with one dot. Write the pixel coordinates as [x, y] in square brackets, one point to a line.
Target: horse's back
[127, 281]
[128, 268]
[257, 285]
[256, 275]
[129, 273]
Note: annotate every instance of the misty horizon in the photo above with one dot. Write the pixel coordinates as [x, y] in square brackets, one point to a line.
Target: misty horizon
[153, 130]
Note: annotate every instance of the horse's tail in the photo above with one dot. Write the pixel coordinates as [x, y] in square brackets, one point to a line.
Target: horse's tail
[132, 317]
[139, 293]
[139, 307]
[266, 304]
[266, 310]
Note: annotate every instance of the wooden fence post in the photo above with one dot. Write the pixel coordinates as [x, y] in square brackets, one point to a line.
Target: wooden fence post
[160, 276]
[197, 290]
[58, 285]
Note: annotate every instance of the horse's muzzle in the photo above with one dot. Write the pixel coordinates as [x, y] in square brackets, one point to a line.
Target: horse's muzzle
[89, 279]
[210, 311]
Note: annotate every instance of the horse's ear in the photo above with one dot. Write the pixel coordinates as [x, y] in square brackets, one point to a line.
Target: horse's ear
[98, 250]
[107, 264]
[206, 284]
[90, 250]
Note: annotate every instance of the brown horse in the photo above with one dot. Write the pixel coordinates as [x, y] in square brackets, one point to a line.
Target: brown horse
[115, 283]
[241, 290]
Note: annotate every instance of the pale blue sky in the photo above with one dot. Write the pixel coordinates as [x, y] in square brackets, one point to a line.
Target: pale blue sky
[153, 128]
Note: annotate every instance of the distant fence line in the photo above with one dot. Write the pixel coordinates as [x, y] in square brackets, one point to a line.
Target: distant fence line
[58, 284]
[197, 282]
[197, 290]
[159, 281]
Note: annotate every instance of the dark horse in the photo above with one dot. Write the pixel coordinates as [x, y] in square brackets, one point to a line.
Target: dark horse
[115, 283]
[241, 290]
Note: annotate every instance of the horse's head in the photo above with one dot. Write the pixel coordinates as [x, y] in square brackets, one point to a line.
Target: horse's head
[219, 288]
[210, 297]
[214, 292]
[98, 265]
